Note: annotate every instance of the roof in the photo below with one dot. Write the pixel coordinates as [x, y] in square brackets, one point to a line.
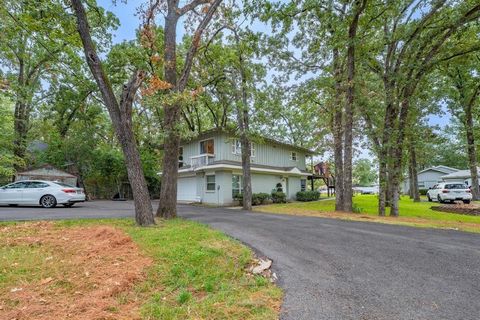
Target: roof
[460, 174]
[441, 169]
[256, 138]
[46, 170]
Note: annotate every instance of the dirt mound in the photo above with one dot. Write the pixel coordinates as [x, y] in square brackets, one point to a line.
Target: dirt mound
[460, 208]
[95, 269]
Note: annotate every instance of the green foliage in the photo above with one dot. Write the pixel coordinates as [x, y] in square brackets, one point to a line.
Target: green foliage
[260, 198]
[364, 172]
[423, 192]
[308, 195]
[279, 197]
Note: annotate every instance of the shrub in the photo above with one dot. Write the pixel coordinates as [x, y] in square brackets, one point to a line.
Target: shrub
[308, 195]
[423, 192]
[259, 198]
[279, 197]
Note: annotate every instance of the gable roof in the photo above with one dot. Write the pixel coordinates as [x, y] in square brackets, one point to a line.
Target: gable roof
[256, 138]
[46, 170]
[441, 169]
[460, 174]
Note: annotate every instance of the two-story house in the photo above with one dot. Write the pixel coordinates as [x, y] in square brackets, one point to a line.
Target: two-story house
[210, 168]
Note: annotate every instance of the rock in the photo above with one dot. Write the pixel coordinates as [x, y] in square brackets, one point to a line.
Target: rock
[263, 265]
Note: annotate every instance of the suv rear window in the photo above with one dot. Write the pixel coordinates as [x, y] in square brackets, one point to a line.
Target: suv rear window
[455, 186]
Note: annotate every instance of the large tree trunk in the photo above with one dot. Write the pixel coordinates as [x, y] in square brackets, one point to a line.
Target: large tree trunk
[413, 168]
[398, 152]
[349, 112]
[121, 116]
[168, 192]
[21, 131]
[410, 182]
[384, 154]
[471, 150]
[338, 134]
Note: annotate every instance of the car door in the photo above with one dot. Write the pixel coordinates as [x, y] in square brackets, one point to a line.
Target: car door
[33, 191]
[12, 193]
[436, 190]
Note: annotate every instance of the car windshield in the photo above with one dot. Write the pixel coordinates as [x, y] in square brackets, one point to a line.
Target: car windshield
[455, 186]
[64, 185]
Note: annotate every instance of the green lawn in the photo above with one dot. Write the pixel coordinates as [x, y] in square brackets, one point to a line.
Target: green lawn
[197, 273]
[411, 213]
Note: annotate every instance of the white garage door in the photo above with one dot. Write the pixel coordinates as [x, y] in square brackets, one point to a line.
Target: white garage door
[187, 189]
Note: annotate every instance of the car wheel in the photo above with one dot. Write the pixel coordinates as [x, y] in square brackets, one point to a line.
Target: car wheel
[466, 201]
[68, 205]
[48, 201]
[428, 197]
[440, 199]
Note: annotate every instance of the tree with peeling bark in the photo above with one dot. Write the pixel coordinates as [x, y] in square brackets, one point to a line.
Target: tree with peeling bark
[463, 100]
[175, 84]
[120, 111]
[410, 48]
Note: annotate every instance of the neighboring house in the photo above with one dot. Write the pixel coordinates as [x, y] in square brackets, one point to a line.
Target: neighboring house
[210, 168]
[427, 178]
[460, 176]
[47, 172]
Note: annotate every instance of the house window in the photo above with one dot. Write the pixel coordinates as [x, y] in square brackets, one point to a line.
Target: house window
[180, 157]
[293, 156]
[207, 146]
[303, 184]
[237, 148]
[237, 185]
[210, 183]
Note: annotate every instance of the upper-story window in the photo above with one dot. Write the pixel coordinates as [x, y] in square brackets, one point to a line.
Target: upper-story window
[180, 157]
[207, 146]
[237, 148]
[293, 156]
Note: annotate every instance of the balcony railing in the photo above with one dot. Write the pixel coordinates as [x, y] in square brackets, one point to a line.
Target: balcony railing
[202, 160]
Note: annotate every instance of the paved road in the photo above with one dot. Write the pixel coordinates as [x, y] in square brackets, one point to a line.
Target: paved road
[332, 269]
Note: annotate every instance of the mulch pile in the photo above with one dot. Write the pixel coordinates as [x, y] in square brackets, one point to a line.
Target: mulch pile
[460, 208]
[96, 269]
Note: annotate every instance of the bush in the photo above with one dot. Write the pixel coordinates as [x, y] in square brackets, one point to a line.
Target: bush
[423, 192]
[259, 198]
[279, 197]
[308, 195]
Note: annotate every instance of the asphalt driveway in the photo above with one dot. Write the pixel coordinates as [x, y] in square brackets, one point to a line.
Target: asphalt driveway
[332, 269]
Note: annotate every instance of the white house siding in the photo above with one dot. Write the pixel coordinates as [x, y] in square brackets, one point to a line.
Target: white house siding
[265, 154]
[426, 180]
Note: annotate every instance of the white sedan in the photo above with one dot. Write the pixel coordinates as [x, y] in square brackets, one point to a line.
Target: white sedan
[443, 192]
[45, 193]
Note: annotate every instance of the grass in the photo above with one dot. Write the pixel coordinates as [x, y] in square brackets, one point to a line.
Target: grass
[198, 273]
[418, 214]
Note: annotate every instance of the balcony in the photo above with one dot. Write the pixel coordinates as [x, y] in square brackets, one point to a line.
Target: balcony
[202, 160]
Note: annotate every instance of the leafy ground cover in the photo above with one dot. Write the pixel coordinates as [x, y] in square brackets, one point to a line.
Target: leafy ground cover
[418, 214]
[111, 269]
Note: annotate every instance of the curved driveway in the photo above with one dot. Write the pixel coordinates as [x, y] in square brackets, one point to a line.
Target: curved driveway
[332, 269]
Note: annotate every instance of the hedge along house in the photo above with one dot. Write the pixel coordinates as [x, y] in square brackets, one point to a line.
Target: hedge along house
[210, 168]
